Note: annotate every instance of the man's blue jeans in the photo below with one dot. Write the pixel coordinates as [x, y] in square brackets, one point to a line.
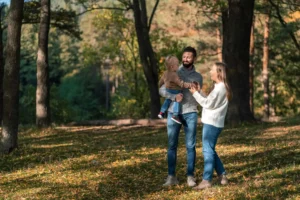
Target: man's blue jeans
[189, 122]
[167, 102]
[212, 161]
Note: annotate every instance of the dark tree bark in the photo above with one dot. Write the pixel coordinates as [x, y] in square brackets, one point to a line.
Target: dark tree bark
[237, 22]
[147, 55]
[43, 87]
[9, 139]
[265, 72]
[251, 65]
[2, 6]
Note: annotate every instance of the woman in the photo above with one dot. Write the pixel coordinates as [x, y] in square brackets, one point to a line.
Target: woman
[213, 116]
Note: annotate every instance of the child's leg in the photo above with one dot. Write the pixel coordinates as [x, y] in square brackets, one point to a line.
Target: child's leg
[176, 108]
[165, 105]
[176, 105]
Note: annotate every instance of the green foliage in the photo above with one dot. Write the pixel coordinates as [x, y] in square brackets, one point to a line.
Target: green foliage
[283, 70]
[64, 20]
[27, 105]
[61, 112]
[130, 103]
[77, 66]
[83, 91]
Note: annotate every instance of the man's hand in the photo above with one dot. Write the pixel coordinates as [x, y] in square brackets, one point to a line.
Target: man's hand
[179, 97]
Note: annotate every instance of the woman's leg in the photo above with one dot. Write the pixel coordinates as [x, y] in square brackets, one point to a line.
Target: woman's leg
[219, 167]
[211, 160]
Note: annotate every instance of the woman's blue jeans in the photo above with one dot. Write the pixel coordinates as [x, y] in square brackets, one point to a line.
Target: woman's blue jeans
[212, 161]
[189, 122]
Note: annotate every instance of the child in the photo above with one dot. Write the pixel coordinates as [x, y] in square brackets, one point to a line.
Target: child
[214, 109]
[173, 85]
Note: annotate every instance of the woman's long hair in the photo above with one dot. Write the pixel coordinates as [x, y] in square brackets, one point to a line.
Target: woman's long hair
[221, 71]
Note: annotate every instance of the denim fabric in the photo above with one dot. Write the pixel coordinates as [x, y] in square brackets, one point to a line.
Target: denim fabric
[189, 122]
[212, 161]
[167, 102]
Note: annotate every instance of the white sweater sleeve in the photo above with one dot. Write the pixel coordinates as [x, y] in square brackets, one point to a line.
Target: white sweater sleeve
[209, 102]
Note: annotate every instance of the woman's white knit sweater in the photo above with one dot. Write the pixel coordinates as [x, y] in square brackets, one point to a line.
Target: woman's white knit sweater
[214, 106]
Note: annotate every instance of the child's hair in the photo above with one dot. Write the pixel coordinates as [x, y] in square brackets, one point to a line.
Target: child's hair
[170, 61]
[190, 49]
[221, 70]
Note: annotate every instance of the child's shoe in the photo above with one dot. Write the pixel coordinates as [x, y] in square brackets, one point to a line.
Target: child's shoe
[176, 119]
[161, 115]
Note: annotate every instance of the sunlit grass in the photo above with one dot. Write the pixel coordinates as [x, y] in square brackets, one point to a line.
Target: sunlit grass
[108, 162]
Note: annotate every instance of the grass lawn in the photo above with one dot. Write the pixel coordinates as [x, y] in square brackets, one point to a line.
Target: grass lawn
[108, 162]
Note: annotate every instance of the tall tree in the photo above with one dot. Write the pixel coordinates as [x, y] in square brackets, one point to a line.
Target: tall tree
[251, 66]
[2, 6]
[265, 61]
[219, 39]
[147, 55]
[9, 139]
[43, 88]
[237, 19]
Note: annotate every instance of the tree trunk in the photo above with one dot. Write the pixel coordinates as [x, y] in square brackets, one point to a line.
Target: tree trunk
[9, 139]
[219, 40]
[1, 63]
[147, 56]
[272, 107]
[237, 22]
[265, 67]
[251, 65]
[43, 88]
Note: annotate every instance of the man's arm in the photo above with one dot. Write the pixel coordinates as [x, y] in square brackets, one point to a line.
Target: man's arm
[163, 92]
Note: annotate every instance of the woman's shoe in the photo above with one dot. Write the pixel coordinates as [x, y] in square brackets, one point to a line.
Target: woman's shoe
[203, 185]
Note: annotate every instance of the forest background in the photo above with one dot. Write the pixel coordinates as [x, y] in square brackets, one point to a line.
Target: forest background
[95, 70]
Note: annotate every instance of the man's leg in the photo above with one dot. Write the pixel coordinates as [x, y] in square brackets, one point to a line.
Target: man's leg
[173, 133]
[190, 127]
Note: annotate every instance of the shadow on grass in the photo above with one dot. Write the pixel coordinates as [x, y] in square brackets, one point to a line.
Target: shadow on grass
[133, 164]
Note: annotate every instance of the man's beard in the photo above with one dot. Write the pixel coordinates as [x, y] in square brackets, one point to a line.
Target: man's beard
[187, 65]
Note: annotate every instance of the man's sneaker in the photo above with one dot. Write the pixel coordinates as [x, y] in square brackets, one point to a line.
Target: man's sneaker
[223, 179]
[191, 181]
[203, 185]
[171, 180]
[176, 119]
[161, 115]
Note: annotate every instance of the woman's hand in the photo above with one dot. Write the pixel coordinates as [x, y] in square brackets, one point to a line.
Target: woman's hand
[179, 97]
[195, 87]
[193, 90]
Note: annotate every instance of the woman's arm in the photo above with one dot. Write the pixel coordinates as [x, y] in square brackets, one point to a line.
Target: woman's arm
[206, 101]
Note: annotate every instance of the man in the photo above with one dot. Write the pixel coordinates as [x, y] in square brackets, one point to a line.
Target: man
[188, 118]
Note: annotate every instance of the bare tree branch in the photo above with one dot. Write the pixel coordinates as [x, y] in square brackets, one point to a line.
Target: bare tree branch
[283, 23]
[103, 8]
[152, 14]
